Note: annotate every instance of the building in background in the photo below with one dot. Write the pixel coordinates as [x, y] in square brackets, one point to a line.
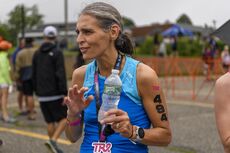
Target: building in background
[37, 34]
[138, 33]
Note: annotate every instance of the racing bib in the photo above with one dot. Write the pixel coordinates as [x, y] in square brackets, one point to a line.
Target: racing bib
[102, 147]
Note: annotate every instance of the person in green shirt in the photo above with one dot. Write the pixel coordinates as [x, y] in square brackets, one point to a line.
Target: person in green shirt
[5, 80]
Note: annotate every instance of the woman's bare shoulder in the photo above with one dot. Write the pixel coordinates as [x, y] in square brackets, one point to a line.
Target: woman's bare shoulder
[224, 80]
[146, 73]
[79, 75]
[80, 71]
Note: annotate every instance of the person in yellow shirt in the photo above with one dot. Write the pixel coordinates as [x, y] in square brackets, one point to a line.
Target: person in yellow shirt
[5, 80]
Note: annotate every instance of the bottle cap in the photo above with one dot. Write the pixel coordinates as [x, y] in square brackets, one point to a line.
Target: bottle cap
[114, 71]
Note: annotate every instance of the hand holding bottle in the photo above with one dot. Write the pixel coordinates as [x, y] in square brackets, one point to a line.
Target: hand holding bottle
[120, 122]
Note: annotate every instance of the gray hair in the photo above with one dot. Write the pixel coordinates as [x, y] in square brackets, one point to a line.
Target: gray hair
[107, 15]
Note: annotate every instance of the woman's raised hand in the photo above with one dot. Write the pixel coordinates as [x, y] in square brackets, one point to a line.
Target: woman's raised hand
[75, 101]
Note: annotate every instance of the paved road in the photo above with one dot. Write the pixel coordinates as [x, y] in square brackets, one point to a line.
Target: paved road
[192, 123]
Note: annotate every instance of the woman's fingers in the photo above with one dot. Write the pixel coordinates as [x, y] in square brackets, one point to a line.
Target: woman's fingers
[117, 112]
[114, 115]
[66, 101]
[75, 89]
[74, 93]
[82, 91]
[76, 98]
[70, 93]
[88, 100]
[124, 128]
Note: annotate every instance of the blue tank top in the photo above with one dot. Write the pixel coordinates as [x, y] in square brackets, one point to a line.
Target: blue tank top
[129, 102]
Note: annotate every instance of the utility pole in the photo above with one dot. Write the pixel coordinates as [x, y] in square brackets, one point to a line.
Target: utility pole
[214, 24]
[66, 21]
[22, 21]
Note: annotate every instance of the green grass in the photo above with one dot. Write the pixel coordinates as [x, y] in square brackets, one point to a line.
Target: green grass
[70, 53]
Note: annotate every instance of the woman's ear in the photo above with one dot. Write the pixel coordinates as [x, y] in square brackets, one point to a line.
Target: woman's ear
[114, 31]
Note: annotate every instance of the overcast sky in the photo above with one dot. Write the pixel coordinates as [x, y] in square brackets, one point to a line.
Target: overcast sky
[142, 12]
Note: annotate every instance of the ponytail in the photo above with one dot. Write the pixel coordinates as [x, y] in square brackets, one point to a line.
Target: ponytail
[124, 44]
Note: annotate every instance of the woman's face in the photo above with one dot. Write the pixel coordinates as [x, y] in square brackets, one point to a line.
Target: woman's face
[93, 41]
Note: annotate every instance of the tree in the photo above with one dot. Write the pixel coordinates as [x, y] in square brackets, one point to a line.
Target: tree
[22, 17]
[34, 19]
[4, 31]
[184, 19]
[127, 22]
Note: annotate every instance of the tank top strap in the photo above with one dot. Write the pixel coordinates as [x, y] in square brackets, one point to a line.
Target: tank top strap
[89, 75]
[128, 77]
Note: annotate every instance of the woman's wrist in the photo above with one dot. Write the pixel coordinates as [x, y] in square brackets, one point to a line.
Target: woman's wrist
[73, 115]
[74, 120]
[133, 135]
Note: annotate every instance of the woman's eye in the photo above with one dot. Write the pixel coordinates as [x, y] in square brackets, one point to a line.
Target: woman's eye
[77, 32]
[83, 32]
[87, 32]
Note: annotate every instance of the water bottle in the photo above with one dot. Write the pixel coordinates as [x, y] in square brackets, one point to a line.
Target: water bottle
[111, 93]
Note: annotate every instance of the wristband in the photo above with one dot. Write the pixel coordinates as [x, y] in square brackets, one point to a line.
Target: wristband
[74, 123]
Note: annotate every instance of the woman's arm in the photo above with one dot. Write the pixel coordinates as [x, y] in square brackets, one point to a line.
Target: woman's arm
[222, 109]
[76, 104]
[155, 106]
[74, 132]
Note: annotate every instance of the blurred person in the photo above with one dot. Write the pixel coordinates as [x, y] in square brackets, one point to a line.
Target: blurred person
[141, 118]
[156, 43]
[225, 58]
[208, 60]
[1, 142]
[21, 45]
[23, 74]
[5, 80]
[213, 46]
[20, 95]
[162, 49]
[50, 86]
[174, 46]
